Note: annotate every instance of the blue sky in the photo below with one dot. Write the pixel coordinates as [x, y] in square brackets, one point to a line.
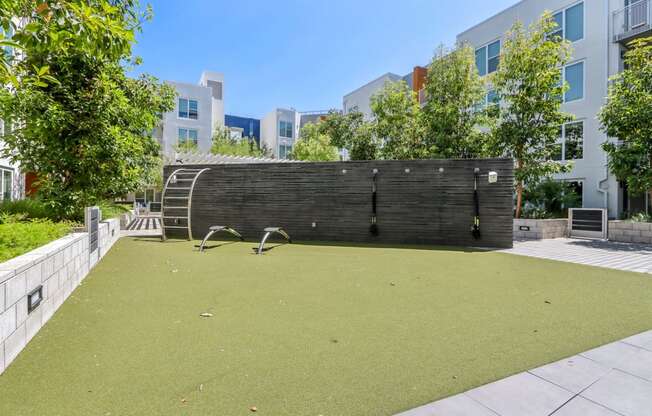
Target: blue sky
[299, 53]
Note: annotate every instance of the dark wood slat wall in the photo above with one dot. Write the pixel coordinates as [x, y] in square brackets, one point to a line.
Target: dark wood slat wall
[423, 206]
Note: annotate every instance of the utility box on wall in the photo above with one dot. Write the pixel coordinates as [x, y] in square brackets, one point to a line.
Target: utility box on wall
[418, 201]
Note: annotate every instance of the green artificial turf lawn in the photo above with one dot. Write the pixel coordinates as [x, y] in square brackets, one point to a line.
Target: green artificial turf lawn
[309, 330]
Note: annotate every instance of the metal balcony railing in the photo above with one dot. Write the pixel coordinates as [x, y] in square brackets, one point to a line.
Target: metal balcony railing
[632, 21]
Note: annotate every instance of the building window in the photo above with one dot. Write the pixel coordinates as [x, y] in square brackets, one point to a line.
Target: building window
[570, 23]
[6, 184]
[286, 129]
[574, 76]
[487, 58]
[574, 140]
[284, 151]
[188, 109]
[188, 136]
[571, 142]
[492, 98]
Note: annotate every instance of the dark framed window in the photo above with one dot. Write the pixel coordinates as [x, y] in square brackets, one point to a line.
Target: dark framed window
[188, 109]
[487, 58]
[570, 23]
[6, 184]
[188, 135]
[285, 129]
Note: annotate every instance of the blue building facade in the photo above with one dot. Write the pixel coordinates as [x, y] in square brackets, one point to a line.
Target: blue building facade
[250, 126]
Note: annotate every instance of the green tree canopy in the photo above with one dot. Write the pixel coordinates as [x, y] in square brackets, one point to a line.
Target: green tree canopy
[453, 90]
[225, 144]
[87, 133]
[353, 133]
[314, 145]
[529, 86]
[627, 115]
[398, 121]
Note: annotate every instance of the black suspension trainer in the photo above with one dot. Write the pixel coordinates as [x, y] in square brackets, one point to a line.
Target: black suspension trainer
[373, 228]
[475, 228]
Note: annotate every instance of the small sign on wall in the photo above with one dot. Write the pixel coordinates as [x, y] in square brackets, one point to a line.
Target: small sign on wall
[524, 228]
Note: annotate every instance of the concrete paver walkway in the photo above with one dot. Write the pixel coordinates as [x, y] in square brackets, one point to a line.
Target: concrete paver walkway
[612, 380]
[149, 226]
[612, 255]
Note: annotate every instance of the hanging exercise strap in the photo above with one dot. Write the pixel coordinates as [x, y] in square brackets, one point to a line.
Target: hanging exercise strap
[475, 229]
[373, 228]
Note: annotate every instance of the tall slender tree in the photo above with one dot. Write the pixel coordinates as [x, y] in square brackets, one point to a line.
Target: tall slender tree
[627, 115]
[314, 145]
[530, 87]
[398, 122]
[453, 90]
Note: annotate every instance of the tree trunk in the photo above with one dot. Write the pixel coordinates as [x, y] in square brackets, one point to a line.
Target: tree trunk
[519, 190]
[519, 198]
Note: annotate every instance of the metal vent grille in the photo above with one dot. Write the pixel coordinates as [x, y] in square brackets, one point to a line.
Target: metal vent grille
[588, 222]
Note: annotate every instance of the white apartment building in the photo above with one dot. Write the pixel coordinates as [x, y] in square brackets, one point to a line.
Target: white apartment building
[360, 98]
[599, 31]
[199, 110]
[281, 128]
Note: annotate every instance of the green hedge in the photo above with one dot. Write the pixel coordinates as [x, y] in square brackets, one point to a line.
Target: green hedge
[17, 238]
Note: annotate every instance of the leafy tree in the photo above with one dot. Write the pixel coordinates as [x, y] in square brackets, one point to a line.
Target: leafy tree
[351, 132]
[87, 133]
[398, 121]
[529, 86]
[314, 145]
[627, 115]
[225, 144]
[453, 89]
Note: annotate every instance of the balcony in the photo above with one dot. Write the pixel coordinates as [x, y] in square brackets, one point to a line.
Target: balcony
[632, 22]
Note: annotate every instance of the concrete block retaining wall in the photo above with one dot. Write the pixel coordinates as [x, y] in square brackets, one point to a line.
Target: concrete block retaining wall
[58, 267]
[630, 232]
[540, 229]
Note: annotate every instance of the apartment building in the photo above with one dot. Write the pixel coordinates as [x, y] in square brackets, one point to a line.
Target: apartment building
[281, 128]
[599, 31]
[360, 98]
[199, 110]
[241, 127]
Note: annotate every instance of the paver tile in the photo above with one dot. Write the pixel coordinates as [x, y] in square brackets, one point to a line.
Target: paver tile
[574, 374]
[626, 357]
[459, 405]
[521, 394]
[623, 393]
[643, 340]
[579, 406]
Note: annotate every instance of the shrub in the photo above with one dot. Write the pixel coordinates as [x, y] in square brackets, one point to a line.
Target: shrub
[550, 197]
[31, 208]
[112, 210]
[641, 217]
[18, 236]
